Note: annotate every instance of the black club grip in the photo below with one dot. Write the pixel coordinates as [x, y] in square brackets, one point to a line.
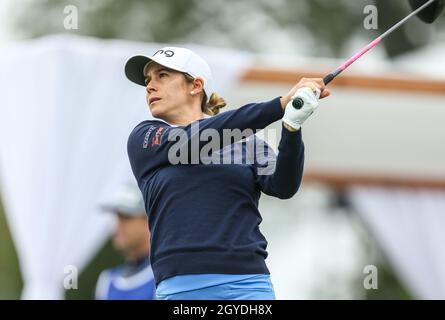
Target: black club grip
[298, 103]
[328, 78]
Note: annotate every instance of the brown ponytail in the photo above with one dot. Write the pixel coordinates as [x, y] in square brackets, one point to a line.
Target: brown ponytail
[215, 103]
[212, 107]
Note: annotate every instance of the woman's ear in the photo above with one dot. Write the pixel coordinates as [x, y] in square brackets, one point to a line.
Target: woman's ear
[198, 85]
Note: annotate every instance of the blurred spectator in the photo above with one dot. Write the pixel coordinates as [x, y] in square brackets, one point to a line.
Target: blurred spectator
[132, 280]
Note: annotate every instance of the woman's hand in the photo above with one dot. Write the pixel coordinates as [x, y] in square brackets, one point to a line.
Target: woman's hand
[312, 83]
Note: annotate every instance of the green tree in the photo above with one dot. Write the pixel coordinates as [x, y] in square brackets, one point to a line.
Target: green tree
[313, 27]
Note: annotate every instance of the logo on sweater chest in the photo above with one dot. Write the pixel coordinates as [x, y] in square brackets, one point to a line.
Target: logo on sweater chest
[157, 138]
[147, 137]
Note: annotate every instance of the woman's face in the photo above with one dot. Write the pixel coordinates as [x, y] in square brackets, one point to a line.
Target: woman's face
[167, 91]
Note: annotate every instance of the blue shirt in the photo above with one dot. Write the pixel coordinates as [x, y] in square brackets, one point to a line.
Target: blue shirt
[130, 281]
[204, 218]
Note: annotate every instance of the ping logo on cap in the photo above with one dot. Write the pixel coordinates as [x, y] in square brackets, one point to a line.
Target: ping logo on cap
[167, 53]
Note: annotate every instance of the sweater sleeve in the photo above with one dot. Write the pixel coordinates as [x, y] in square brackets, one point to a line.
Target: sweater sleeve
[280, 176]
[150, 143]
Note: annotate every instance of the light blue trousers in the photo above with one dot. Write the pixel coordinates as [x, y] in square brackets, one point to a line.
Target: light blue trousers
[249, 289]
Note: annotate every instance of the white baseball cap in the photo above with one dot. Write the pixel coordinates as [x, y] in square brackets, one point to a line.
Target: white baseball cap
[127, 201]
[176, 58]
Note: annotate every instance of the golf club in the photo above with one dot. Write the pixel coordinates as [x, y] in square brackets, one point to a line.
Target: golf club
[426, 10]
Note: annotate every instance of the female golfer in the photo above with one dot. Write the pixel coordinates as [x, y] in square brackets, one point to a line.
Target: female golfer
[203, 217]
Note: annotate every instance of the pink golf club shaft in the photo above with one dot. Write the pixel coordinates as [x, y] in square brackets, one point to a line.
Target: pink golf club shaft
[355, 57]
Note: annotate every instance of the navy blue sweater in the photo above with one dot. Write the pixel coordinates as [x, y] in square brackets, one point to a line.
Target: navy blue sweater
[204, 218]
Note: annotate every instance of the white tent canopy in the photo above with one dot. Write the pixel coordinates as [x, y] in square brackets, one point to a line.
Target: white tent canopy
[408, 224]
[426, 62]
